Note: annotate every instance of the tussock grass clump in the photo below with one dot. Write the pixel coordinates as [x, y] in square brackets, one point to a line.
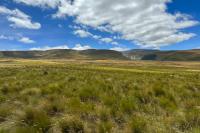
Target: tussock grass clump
[31, 92]
[54, 105]
[105, 127]
[191, 121]
[167, 104]
[5, 111]
[128, 105]
[74, 105]
[104, 115]
[36, 119]
[5, 89]
[71, 125]
[88, 94]
[55, 108]
[138, 124]
[20, 129]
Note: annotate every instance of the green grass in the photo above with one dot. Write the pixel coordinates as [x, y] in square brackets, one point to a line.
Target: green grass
[99, 97]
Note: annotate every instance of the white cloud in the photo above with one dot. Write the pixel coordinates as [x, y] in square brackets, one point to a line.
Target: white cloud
[81, 47]
[40, 3]
[82, 33]
[109, 40]
[19, 19]
[49, 48]
[96, 37]
[77, 47]
[26, 40]
[17, 38]
[105, 28]
[115, 43]
[106, 40]
[3, 37]
[23, 23]
[119, 49]
[145, 22]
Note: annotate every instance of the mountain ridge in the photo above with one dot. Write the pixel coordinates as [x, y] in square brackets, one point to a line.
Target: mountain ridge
[103, 54]
[167, 55]
[90, 54]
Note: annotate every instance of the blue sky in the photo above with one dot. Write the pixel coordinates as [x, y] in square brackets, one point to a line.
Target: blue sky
[84, 24]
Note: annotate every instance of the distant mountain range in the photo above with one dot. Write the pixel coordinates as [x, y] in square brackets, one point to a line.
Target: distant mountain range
[175, 55]
[93, 54]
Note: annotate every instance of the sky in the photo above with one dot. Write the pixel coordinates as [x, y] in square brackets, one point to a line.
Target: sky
[104, 24]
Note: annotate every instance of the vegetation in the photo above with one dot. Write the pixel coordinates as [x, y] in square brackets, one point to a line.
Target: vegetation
[47, 96]
[176, 55]
[93, 54]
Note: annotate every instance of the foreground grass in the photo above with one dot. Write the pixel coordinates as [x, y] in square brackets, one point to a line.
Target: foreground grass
[102, 97]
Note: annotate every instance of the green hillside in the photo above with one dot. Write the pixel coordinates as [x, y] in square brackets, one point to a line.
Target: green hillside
[93, 54]
[187, 55]
[65, 54]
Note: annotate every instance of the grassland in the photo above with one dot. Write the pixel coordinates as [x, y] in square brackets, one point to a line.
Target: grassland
[58, 96]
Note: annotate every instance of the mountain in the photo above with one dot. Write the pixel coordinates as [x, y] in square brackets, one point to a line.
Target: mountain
[138, 54]
[91, 54]
[176, 55]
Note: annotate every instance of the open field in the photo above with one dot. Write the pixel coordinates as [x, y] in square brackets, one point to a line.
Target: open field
[58, 96]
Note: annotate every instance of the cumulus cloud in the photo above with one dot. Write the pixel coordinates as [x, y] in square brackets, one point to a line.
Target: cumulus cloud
[3, 37]
[40, 3]
[19, 19]
[145, 22]
[49, 48]
[81, 47]
[106, 40]
[17, 38]
[109, 40]
[115, 43]
[76, 47]
[26, 40]
[119, 49]
[82, 33]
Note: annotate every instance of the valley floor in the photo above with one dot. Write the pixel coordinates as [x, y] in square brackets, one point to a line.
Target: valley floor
[76, 96]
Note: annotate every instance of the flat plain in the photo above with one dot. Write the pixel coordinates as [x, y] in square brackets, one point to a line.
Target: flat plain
[85, 96]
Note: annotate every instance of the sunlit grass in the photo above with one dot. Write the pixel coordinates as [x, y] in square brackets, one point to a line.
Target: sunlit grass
[99, 96]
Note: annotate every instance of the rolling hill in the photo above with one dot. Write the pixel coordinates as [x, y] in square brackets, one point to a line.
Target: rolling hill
[93, 54]
[184, 55]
